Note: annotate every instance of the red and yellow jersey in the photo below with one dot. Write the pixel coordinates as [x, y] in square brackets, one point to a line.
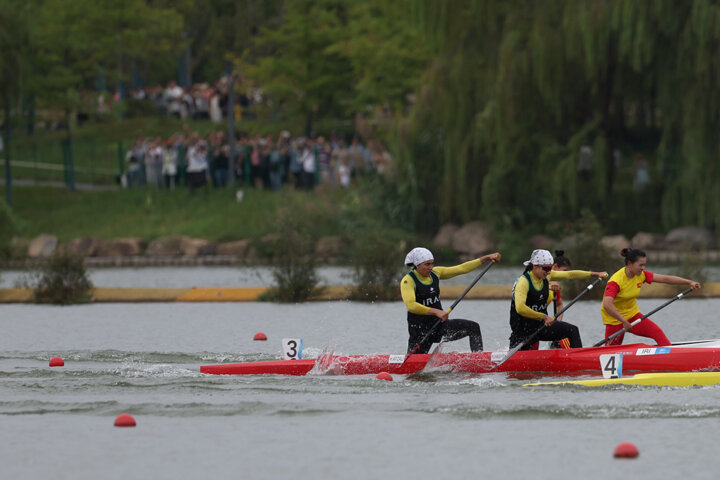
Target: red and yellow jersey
[625, 291]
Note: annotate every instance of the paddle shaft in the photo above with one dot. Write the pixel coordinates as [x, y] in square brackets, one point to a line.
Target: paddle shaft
[517, 347]
[427, 335]
[620, 332]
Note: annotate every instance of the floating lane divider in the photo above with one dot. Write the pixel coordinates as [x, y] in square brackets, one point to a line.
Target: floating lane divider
[670, 379]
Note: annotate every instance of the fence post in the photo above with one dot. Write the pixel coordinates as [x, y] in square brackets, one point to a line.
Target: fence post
[69, 164]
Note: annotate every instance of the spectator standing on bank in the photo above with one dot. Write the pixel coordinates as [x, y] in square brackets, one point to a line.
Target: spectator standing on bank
[197, 169]
[221, 160]
[307, 160]
[641, 178]
[359, 158]
[172, 96]
[277, 168]
[324, 161]
[340, 162]
[255, 171]
[295, 167]
[169, 168]
[133, 157]
[153, 167]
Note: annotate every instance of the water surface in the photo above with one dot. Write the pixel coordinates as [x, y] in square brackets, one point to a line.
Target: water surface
[144, 359]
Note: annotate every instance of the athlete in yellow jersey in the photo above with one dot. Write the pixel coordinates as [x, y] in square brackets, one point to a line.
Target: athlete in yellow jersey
[420, 291]
[619, 306]
[531, 296]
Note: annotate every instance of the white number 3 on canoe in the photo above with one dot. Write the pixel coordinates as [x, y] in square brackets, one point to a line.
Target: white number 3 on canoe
[611, 365]
[292, 348]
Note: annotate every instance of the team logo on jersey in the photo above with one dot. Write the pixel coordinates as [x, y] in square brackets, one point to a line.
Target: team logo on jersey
[639, 285]
[430, 301]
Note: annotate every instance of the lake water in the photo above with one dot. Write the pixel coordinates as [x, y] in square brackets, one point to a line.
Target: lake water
[144, 359]
[221, 276]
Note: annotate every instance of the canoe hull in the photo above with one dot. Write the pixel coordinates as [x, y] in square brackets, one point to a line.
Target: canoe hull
[672, 379]
[637, 358]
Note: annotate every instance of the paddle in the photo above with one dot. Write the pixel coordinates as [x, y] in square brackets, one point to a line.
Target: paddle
[537, 332]
[427, 335]
[619, 332]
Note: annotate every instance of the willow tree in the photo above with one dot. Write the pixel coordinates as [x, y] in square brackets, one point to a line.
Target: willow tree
[15, 43]
[517, 88]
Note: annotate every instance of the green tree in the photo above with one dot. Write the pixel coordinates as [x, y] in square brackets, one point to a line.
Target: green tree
[15, 44]
[299, 69]
[7, 230]
[517, 88]
[387, 54]
[218, 31]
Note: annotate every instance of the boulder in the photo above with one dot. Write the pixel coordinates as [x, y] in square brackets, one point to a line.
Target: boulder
[237, 248]
[120, 247]
[329, 247]
[166, 247]
[690, 237]
[444, 236]
[193, 246]
[85, 246]
[210, 248]
[19, 247]
[42, 246]
[472, 239]
[615, 242]
[648, 241]
[541, 242]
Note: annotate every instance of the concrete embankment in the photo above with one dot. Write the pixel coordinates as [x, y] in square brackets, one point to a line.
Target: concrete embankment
[251, 294]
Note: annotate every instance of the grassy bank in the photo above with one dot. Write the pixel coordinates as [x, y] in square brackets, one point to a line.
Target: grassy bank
[215, 215]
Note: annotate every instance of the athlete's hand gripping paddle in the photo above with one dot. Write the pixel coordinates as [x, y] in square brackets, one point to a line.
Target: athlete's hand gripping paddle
[619, 332]
[537, 332]
[427, 335]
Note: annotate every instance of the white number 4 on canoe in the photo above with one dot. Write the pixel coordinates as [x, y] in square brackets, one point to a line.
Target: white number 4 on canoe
[611, 365]
[292, 348]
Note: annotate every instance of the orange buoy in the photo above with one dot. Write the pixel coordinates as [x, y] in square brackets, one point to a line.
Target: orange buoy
[384, 376]
[57, 362]
[626, 450]
[124, 420]
[260, 336]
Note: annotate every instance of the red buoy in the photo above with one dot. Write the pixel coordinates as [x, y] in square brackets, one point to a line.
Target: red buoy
[124, 420]
[57, 362]
[384, 376]
[626, 450]
[260, 336]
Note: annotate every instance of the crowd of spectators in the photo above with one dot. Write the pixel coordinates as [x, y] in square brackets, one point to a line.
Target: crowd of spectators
[263, 162]
[200, 101]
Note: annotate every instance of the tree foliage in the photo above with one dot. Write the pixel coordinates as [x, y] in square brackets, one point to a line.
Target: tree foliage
[335, 58]
[492, 101]
[518, 87]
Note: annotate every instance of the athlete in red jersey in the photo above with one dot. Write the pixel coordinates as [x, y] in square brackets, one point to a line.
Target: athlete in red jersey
[619, 306]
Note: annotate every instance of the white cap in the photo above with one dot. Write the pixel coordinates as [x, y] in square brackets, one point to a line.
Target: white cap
[540, 257]
[417, 256]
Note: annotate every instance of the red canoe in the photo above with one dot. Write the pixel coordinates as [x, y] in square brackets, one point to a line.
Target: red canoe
[636, 358]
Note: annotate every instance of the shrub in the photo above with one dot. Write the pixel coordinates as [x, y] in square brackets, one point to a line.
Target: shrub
[7, 230]
[293, 253]
[692, 266]
[61, 280]
[377, 259]
[587, 253]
